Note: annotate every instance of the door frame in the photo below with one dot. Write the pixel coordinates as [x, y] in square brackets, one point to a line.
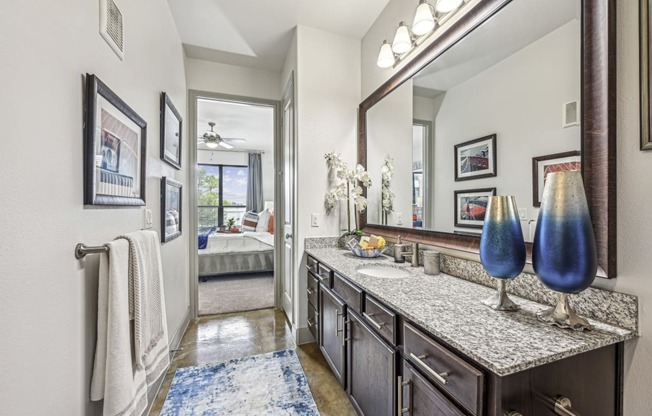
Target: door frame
[193, 96]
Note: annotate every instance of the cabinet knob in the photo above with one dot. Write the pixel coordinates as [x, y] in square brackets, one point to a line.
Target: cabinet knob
[513, 413]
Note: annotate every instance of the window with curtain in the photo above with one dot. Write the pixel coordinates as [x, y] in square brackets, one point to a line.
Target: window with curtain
[222, 194]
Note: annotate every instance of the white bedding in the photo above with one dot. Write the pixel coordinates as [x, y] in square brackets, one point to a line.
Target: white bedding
[249, 242]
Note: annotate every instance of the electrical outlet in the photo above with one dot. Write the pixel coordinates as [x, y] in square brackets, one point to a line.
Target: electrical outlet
[148, 219]
[522, 213]
[314, 220]
[399, 218]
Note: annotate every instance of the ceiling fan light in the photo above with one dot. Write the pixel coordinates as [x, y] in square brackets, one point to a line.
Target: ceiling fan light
[424, 19]
[402, 39]
[386, 56]
[445, 6]
[211, 145]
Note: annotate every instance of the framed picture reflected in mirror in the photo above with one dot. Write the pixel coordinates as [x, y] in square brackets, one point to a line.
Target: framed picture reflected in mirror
[171, 209]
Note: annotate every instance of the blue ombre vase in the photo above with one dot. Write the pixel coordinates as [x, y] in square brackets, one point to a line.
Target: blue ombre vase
[563, 251]
[502, 248]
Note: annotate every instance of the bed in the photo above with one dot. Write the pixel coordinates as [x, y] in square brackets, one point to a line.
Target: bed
[231, 253]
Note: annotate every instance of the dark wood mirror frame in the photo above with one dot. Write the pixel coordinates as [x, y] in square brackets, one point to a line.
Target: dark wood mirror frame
[598, 125]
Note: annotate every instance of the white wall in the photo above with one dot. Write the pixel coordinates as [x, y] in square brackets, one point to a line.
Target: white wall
[520, 100]
[328, 94]
[232, 80]
[634, 167]
[48, 300]
[242, 158]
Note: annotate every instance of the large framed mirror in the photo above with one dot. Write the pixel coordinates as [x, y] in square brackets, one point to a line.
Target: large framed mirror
[513, 90]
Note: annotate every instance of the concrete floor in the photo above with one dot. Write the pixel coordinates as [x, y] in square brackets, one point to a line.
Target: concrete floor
[219, 338]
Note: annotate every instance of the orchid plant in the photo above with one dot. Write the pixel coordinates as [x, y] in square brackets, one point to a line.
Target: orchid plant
[387, 196]
[349, 188]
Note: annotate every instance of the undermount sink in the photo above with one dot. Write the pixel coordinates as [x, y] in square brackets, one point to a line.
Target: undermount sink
[384, 272]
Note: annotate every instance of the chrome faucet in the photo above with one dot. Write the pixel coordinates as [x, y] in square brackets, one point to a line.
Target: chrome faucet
[414, 254]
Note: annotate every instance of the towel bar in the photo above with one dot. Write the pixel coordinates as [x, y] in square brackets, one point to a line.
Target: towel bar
[81, 250]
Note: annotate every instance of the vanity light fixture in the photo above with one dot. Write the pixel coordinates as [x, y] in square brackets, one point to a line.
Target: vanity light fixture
[386, 57]
[406, 39]
[424, 19]
[403, 39]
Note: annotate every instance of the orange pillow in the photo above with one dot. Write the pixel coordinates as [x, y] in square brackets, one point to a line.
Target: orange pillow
[270, 227]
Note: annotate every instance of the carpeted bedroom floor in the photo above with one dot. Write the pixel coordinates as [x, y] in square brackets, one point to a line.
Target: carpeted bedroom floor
[236, 293]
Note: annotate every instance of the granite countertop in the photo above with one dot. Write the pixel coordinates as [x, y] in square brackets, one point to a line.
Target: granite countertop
[450, 308]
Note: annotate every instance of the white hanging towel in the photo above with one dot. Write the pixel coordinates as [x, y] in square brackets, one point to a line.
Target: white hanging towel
[128, 357]
[147, 303]
[116, 378]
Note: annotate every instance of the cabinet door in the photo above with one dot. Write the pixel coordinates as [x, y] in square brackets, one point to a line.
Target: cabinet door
[331, 333]
[418, 397]
[371, 369]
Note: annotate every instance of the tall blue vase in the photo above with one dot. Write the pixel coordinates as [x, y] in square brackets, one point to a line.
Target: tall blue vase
[563, 251]
[502, 248]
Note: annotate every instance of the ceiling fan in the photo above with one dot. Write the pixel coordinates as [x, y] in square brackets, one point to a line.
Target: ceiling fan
[212, 140]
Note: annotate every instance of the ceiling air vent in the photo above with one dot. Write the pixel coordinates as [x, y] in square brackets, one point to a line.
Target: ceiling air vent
[571, 114]
[112, 27]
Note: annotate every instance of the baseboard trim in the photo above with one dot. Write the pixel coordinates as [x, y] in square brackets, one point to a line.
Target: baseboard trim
[303, 336]
[154, 388]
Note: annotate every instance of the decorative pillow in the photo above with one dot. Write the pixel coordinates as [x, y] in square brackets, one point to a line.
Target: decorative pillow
[270, 226]
[249, 221]
[263, 221]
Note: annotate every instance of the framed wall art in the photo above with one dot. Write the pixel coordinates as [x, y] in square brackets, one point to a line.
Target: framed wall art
[115, 148]
[557, 162]
[471, 206]
[171, 206]
[476, 159]
[171, 130]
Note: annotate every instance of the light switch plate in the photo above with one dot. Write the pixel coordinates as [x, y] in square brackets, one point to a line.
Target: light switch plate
[399, 218]
[314, 220]
[522, 213]
[148, 219]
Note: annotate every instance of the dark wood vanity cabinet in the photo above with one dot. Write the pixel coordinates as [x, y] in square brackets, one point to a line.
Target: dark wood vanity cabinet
[370, 369]
[391, 366]
[332, 317]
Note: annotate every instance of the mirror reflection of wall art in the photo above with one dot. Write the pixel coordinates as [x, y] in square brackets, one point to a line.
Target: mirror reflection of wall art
[544, 165]
[471, 206]
[114, 148]
[171, 193]
[476, 158]
[171, 127]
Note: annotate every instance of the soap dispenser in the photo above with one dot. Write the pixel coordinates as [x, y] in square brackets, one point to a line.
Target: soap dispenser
[399, 249]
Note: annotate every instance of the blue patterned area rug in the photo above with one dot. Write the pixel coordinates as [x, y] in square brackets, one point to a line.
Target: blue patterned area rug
[266, 384]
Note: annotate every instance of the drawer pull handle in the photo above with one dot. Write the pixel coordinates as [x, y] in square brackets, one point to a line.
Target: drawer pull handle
[310, 291]
[438, 376]
[563, 407]
[399, 399]
[311, 322]
[513, 413]
[371, 320]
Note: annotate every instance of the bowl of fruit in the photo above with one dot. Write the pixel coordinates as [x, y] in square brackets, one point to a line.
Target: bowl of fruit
[368, 246]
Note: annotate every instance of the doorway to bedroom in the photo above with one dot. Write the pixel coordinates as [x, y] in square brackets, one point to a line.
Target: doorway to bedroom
[235, 194]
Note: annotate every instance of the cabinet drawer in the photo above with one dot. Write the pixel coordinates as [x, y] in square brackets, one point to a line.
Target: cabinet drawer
[313, 319]
[325, 275]
[417, 396]
[381, 318]
[448, 372]
[312, 264]
[313, 287]
[351, 295]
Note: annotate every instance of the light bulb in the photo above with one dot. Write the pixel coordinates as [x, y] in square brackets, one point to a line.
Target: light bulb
[445, 6]
[211, 145]
[402, 40]
[424, 19]
[386, 56]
